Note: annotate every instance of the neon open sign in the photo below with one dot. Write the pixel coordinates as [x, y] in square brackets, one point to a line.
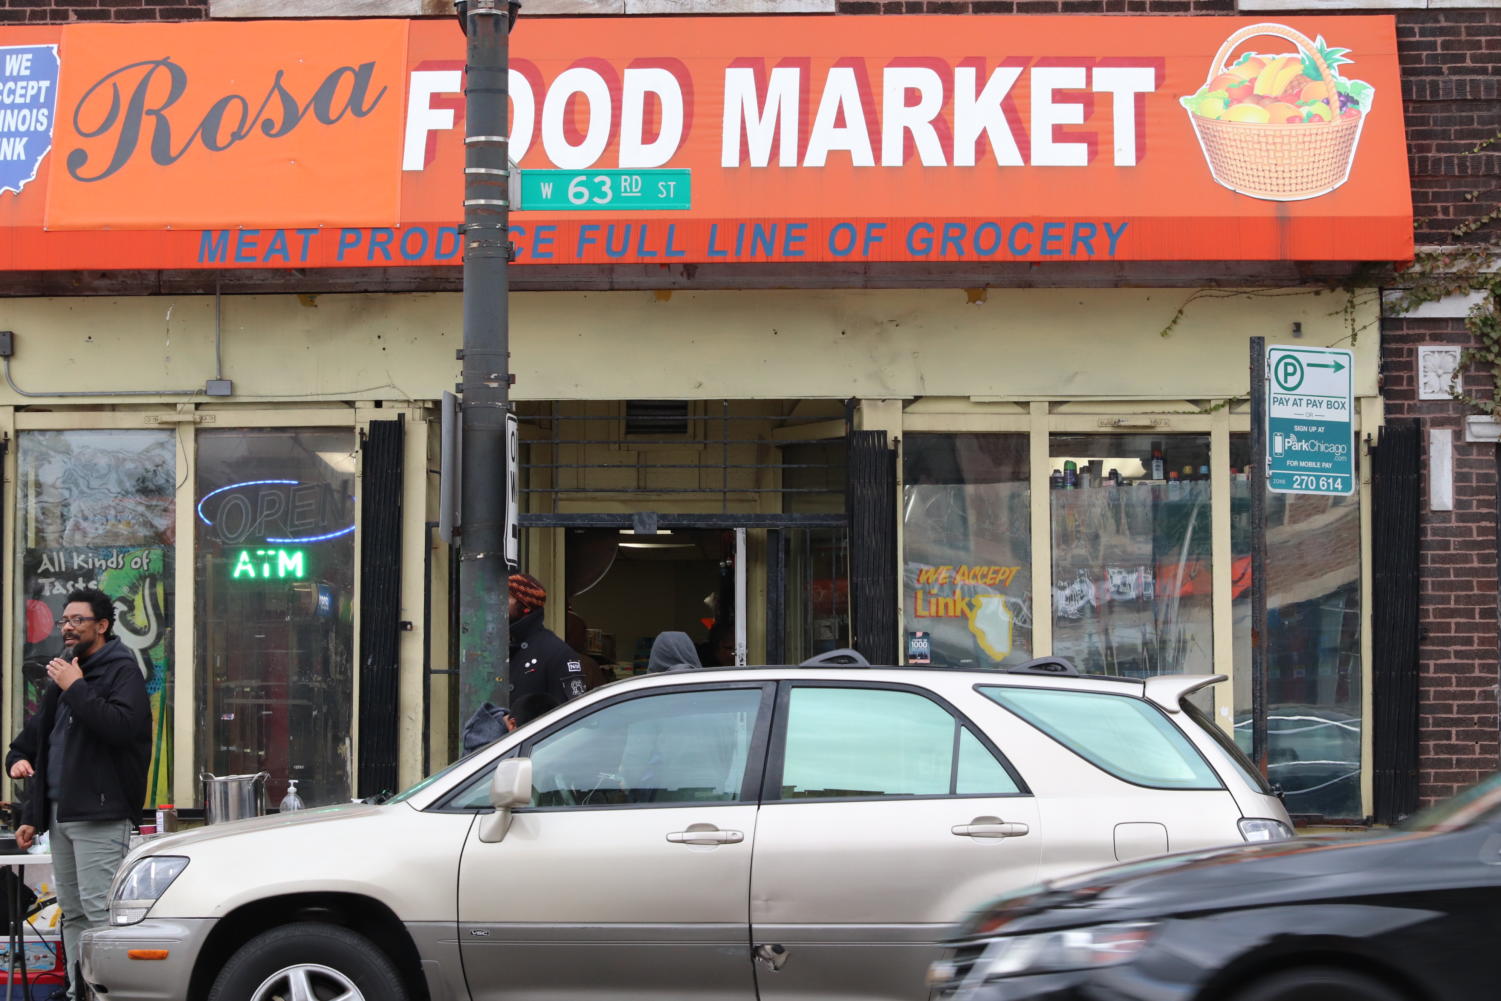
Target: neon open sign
[270, 564]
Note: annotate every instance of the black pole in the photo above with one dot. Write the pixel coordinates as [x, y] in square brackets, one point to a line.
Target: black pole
[1258, 484]
[484, 628]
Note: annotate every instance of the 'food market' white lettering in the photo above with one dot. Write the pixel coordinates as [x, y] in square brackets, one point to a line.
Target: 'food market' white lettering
[923, 112]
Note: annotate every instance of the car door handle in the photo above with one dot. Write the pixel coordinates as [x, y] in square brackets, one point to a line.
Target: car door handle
[990, 827]
[705, 834]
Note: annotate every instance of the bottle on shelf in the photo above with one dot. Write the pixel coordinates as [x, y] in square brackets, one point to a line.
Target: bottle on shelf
[1203, 472]
[1156, 468]
[1070, 475]
[291, 801]
[1056, 480]
[1115, 477]
[1174, 484]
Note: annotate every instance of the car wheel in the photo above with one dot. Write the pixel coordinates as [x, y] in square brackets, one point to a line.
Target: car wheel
[1318, 983]
[308, 961]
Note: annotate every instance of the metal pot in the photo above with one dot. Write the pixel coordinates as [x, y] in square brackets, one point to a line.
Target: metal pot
[233, 797]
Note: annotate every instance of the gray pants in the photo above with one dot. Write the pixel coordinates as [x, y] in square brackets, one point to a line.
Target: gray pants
[85, 857]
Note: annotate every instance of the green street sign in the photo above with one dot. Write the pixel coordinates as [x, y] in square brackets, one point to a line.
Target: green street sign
[605, 190]
[1310, 410]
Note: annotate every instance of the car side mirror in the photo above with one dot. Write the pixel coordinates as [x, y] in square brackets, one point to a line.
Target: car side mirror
[510, 786]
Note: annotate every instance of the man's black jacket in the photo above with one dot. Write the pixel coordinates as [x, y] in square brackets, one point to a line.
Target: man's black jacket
[108, 747]
[541, 662]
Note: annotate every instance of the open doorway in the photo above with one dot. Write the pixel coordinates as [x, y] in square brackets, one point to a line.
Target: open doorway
[624, 589]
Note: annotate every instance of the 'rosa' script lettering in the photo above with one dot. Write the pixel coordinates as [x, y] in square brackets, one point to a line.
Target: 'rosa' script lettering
[110, 113]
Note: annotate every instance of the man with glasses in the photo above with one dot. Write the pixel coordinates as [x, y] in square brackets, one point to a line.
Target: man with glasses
[86, 751]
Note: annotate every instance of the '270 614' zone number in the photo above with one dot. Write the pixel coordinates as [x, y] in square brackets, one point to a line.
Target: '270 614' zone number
[1332, 484]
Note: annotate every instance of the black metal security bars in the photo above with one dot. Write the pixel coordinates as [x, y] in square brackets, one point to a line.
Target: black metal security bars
[727, 455]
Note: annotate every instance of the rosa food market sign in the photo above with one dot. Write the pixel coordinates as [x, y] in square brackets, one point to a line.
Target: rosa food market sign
[958, 139]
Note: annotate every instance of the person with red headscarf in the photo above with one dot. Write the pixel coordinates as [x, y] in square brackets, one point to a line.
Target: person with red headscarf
[544, 669]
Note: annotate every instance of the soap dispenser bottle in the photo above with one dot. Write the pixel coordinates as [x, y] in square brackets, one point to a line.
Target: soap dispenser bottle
[291, 801]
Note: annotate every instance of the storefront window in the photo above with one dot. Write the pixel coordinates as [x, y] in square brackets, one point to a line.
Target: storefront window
[967, 567]
[275, 586]
[95, 509]
[1131, 528]
[1313, 636]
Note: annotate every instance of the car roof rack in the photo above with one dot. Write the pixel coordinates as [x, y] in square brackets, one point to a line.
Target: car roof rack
[843, 657]
[1054, 666]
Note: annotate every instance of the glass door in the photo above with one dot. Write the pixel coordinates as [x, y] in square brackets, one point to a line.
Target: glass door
[807, 595]
[96, 509]
[275, 607]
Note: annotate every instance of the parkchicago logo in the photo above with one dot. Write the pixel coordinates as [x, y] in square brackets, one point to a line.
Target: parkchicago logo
[1282, 444]
[28, 104]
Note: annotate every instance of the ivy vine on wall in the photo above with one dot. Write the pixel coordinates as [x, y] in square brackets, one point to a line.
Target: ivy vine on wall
[1464, 267]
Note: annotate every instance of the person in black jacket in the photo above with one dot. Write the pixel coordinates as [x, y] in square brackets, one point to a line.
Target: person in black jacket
[541, 663]
[86, 752]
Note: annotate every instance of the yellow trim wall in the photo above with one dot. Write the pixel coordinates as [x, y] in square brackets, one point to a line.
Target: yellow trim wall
[1022, 360]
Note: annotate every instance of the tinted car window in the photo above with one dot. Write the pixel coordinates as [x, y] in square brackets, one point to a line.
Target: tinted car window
[863, 742]
[1127, 737]
[679, 747]
[978, 772]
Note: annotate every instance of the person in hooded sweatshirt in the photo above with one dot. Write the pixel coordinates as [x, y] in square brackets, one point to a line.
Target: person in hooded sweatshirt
[672, 651]
[540, 661]
[86, 751]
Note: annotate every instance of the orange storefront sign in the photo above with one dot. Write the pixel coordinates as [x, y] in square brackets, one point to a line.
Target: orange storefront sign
[956, 139]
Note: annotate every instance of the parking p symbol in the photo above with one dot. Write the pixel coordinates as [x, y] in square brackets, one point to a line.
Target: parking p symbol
[1288, 373]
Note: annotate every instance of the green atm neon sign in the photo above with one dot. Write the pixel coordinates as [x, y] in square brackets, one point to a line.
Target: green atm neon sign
[270, 564]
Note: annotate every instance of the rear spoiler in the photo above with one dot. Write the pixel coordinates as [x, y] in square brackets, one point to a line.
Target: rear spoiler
[1168, 690]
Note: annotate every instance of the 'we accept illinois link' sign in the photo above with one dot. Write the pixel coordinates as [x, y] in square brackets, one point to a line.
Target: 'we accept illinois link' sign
[28, 95]
[804, 139]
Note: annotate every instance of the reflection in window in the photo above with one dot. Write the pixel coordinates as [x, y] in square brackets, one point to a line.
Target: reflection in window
[685, 747]
[1313, 637]
[862, 742]
[1132, 581]
[275, 586]
[96, 509]
[967, 535]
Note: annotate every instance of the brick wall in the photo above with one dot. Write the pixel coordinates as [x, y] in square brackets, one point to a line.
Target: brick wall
[1458, 716]
[62, 11]
[1452, 102]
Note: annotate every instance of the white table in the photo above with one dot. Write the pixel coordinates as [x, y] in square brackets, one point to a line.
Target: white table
[16, 920]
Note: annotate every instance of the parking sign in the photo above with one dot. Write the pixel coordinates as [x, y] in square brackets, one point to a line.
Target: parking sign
[1310, 437]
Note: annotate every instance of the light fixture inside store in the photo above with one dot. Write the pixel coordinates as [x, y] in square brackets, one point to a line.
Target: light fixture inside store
[658, 545]
[660, 531]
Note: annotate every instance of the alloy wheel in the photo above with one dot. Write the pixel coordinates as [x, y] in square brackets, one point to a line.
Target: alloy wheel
[307, 982]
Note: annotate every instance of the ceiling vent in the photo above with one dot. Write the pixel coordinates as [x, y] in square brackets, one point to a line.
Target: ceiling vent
[656, 418]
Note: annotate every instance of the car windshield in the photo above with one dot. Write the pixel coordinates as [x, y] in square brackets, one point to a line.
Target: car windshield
[408, 793]
[1460, 810]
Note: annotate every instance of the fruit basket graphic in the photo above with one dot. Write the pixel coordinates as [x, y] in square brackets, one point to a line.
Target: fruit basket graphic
[1283, 127]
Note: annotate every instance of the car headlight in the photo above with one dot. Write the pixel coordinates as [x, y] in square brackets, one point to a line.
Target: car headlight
[1257, 829]
[145, 881]
[1058, 951]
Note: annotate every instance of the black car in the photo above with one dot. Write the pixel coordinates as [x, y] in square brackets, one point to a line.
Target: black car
[1413, 914]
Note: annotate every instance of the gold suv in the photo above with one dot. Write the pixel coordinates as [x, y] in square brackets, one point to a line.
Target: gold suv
[713, 835]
